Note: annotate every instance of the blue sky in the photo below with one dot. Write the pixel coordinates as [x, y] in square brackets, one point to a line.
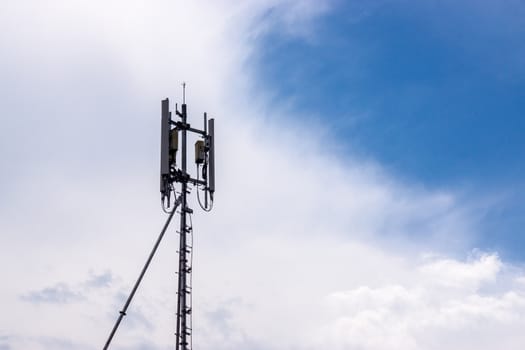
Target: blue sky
[434, 91]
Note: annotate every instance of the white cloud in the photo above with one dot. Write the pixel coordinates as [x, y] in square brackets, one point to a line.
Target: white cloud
[305, 248]
[451, 273]
[423, 317]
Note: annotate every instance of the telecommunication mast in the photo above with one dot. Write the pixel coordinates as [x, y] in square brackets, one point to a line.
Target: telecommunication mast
[172, 174]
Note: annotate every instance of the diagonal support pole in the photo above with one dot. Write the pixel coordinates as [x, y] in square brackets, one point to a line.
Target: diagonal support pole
[142, 273]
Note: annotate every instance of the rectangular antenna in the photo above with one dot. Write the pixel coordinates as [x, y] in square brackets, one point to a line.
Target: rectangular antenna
[165, 143]
[211, 165]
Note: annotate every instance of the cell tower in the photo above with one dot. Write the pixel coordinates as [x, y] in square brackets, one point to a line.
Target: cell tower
[170, 175]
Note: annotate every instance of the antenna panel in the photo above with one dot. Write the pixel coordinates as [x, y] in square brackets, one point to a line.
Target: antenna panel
[211, 165]
[165, 134]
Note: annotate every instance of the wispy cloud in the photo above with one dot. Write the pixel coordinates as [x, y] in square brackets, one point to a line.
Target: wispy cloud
[58, 294]
[102, 280]
[43, 342]
[4, 343]
[64, 293]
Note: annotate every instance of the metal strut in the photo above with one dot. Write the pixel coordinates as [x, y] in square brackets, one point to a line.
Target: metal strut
[137, 283]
